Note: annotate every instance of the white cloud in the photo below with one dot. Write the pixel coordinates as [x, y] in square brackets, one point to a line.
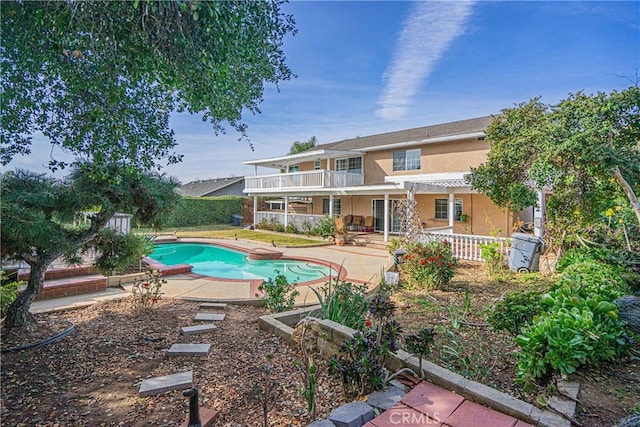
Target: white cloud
[425, 36]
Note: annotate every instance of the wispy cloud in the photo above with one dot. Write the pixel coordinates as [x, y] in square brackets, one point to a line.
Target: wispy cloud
[425, 36]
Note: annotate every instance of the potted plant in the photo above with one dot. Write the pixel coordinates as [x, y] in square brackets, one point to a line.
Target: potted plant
[339, 231]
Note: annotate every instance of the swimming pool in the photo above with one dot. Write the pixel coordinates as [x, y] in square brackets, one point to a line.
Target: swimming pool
[217, 261]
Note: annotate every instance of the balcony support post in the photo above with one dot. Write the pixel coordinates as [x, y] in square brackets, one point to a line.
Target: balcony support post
[386, 217]
[286, 211]
[255, 210]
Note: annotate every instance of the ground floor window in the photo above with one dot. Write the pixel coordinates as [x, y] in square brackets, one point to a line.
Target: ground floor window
[337, 206]
[442, 209]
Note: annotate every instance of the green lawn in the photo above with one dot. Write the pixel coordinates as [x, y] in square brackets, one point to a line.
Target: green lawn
[224, 231]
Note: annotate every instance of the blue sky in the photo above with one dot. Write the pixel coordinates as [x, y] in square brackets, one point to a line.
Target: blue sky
[369, 67]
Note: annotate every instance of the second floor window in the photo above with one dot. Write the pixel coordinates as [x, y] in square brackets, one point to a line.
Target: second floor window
[351, 164]
[294, 168]
[406, 160]
[316, 165]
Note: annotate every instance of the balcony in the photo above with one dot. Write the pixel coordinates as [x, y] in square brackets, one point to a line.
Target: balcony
[302, 180]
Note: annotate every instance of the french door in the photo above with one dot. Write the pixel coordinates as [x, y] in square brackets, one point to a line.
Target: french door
[378, 215]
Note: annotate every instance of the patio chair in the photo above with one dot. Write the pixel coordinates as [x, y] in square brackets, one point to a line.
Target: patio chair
[357, 223]
[368, 224]
[348, 220]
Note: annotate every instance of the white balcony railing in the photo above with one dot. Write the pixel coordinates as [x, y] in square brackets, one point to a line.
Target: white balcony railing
[308, 179]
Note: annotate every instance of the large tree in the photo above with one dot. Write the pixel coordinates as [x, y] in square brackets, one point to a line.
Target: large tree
[586, 149]
[37, 217]
[100, 78]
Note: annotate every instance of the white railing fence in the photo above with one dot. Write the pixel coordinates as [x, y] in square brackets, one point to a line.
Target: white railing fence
[299, 220]
[466, 246]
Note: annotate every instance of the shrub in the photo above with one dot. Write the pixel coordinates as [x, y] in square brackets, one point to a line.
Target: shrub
[198, 211]
[146, 293]
[360, 363]
[430, 265]
[279, 295]
[514, 310]
[8, 294]
[291, 228]
[579, 324]
[323, 228]
[343, 302]
[116, 252]
[492, 257]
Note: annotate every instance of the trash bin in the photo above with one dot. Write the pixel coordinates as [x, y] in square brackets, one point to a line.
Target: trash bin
[525, 252]
[235, 219]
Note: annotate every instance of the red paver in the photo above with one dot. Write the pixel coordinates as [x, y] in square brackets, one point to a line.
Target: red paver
[471, 414]
[433, 401]
[405, 416]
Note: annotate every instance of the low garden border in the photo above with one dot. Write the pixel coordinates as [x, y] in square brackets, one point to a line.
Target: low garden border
[330, 336]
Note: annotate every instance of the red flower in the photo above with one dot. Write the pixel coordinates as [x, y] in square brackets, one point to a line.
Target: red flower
[146, 284]
[441, 264]
[368, 323]
[406, 256]
[423, 261]
[431, 259]
[154, 299]
[445, 241]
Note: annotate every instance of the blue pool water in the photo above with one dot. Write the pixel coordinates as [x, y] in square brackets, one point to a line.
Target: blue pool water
[216, 261]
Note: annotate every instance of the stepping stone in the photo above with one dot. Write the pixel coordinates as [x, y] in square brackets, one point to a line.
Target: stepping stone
[189, 350]
[207, 317]
[354, 414]
[213, 305]
[157, 385]
[386, 398]
[198, 329]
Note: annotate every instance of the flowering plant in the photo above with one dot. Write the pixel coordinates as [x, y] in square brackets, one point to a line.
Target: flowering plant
[429, 265]
[146, 293]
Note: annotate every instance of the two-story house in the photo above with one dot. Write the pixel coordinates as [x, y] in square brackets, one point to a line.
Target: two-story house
[364, 178]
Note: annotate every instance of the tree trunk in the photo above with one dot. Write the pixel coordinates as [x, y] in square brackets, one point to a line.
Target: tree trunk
[628, 190]
[18, 312]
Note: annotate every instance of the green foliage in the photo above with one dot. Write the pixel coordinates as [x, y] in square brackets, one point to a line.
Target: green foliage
[299, 147]
[430, 265]
[37, 215]
[420, 343]
[323, 228]
[107, 90]
[8, 293]
[147, 292]
[343, 302]
[278, 294]
[515, 310]
[115, 252]
[360, 363]
[584, 148]
[579, 324]
[492, 257]
[198, 211]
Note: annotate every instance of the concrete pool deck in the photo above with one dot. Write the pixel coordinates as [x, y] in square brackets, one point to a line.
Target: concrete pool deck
[362, 264]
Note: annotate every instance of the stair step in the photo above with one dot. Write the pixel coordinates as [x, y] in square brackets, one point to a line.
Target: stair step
[189, 350]
[157, 385]
[213, 305]
[208, 317]
[198, 329]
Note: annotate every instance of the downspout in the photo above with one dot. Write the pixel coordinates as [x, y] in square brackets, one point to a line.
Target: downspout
[452, 207]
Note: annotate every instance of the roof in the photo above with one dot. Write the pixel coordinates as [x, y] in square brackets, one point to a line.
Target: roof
[421, 134]
[207, 186]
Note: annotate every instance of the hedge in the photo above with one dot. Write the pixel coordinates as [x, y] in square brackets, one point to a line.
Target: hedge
[197, 211]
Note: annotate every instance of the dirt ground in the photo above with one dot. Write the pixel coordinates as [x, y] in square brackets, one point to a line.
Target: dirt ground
[607, 394]
[92, 376]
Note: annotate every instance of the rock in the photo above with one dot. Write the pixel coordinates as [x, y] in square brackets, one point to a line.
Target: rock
[629, 311]
[630, 421]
